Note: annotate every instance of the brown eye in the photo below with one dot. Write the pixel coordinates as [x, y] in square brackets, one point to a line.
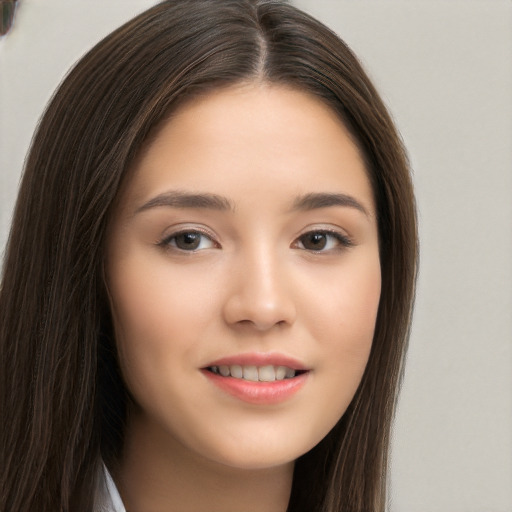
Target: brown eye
[323, 241]
[188, 241]
[314, 241]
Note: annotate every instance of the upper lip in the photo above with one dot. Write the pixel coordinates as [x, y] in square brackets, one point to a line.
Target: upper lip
[259, 359]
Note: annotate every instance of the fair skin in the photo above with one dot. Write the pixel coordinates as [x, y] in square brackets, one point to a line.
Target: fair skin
[245, 240]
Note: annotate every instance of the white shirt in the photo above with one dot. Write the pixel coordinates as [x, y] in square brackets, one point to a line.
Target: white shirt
[107, 497]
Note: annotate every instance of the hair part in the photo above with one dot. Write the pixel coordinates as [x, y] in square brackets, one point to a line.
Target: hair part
[62, 394]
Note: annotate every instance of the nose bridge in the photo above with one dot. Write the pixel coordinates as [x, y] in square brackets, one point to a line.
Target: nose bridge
[260, 294]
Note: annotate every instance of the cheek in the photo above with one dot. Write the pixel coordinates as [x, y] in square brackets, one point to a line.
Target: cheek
[157, 313]
[344, 327]
[347, 304]
[149, 296]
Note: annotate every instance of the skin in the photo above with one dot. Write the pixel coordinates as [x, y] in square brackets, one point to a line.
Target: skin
[253, 284]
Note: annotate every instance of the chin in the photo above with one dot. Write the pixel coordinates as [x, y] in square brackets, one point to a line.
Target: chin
[253, 455]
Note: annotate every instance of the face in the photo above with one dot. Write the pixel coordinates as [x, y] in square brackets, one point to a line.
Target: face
[244, 275]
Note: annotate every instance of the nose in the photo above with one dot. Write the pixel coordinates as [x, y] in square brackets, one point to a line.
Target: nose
[260, 293]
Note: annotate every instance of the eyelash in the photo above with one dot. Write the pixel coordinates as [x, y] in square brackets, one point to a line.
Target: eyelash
[343, 241]
[167, 241]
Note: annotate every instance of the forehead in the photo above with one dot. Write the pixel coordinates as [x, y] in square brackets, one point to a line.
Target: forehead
[250, 137]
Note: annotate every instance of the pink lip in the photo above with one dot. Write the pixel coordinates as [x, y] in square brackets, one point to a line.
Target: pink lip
[260, 393]
[259, 359]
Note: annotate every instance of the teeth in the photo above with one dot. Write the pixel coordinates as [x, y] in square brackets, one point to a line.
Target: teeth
[280, 373]
[224, 371]
[252, 373]
[267, 374]
[236, 371]
[289, 373]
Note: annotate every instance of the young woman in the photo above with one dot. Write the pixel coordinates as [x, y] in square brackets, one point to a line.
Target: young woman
[208, 284]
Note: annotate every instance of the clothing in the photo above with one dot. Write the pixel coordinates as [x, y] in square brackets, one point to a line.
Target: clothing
[107, 497]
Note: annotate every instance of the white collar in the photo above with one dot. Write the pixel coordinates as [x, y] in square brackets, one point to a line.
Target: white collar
[107, 497]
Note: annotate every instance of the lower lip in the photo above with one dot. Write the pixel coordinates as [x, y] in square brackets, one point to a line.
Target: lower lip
[260, 393]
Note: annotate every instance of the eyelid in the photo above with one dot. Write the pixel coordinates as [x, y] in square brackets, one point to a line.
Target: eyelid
[328, 228]
[345, 240]
[181, 229]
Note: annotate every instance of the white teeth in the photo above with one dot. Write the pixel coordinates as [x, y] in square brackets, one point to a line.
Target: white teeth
[224, 371]
[267, 374]
[236, 371]
[289, 373]
[253, 373]
[280, 372]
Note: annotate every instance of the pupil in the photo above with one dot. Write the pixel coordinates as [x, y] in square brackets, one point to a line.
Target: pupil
[315, 241]
[188, 240]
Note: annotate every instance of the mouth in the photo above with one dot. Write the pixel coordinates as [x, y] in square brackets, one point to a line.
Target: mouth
[253, 373]
[260, 379]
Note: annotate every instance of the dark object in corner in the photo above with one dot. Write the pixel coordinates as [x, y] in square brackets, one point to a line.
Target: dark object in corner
[7, 9]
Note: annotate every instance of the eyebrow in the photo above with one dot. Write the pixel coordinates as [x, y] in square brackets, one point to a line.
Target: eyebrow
[318, 200]
[311, 201]
[178, 199]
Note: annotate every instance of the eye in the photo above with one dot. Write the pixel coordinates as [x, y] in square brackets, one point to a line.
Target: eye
[190, 240]
[322, 241]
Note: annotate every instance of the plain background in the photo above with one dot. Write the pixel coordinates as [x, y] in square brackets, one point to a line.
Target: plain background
[445, 70]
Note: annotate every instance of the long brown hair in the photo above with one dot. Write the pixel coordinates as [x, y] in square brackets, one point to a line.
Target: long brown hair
[63, 401]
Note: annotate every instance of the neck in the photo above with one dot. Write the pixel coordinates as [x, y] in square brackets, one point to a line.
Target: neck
[157, 474]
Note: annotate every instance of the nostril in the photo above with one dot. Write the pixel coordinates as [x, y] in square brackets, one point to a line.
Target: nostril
[260, 304]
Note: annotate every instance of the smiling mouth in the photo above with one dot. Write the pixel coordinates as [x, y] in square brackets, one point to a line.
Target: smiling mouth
[252, 373]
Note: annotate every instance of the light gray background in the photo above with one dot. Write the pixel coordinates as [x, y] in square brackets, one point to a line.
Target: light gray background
[445, 69]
